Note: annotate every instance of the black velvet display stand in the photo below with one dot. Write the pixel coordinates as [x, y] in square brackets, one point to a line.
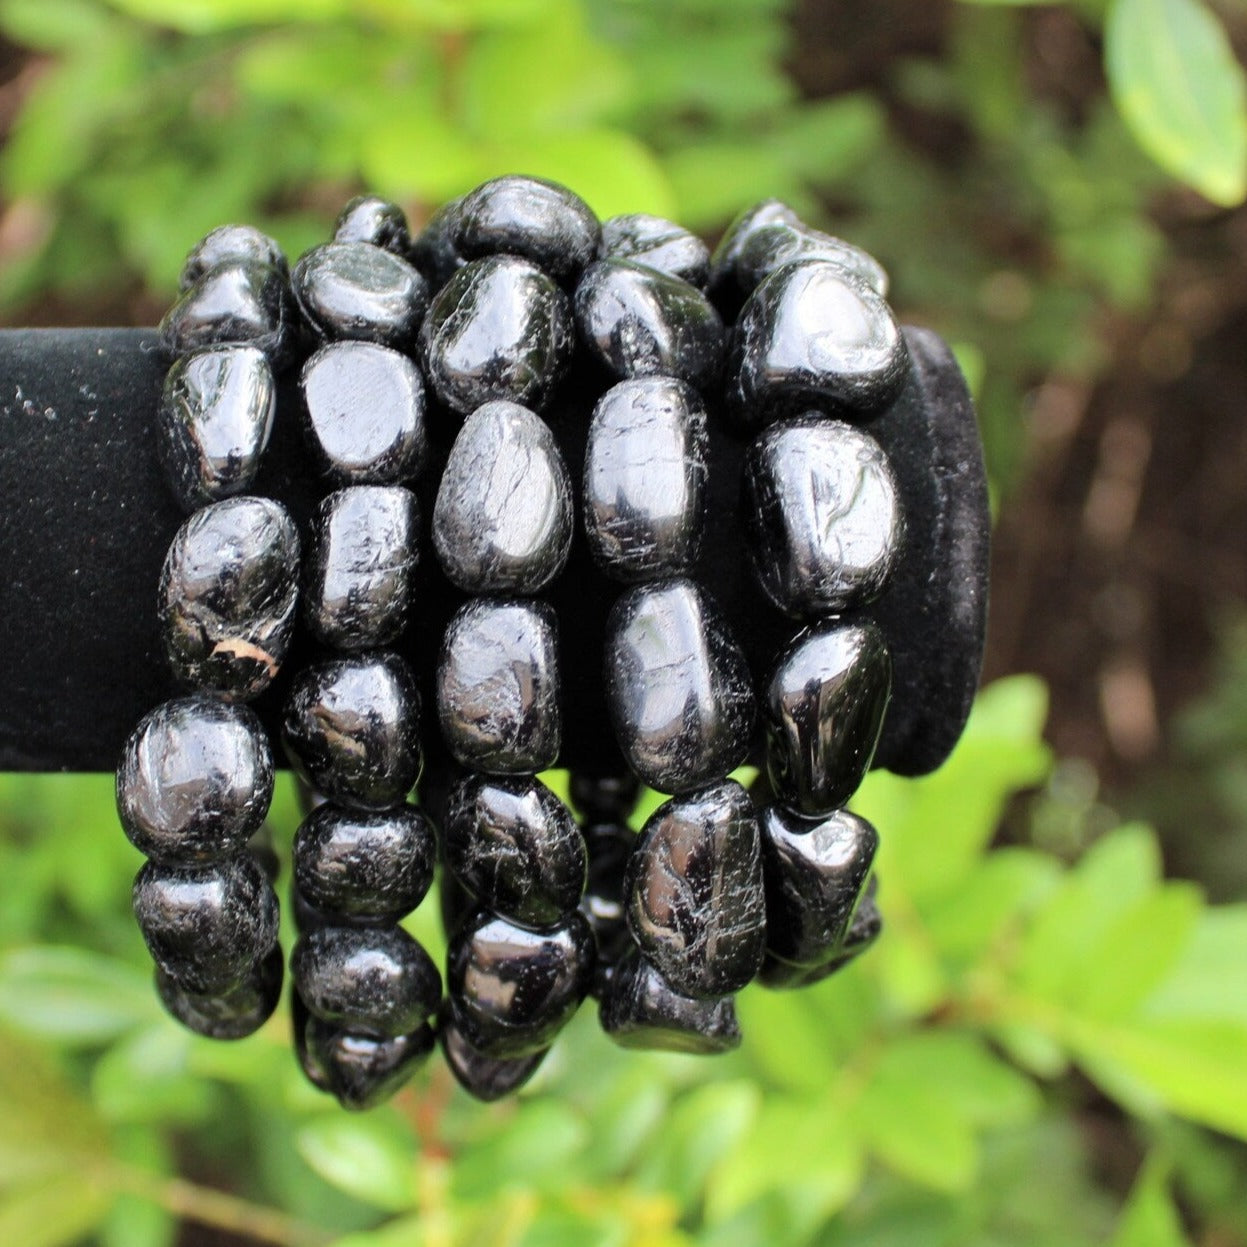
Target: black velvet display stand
[86, 518]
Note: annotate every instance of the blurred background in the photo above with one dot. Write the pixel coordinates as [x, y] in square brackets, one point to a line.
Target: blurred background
[1049, 1044]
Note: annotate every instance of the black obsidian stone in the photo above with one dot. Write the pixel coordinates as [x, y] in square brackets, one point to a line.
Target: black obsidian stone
[213, 424]
[864, 930]
[677, 686]
[231, 244]
[374, 981]
[639, 322]
[640, 1009]
[228, 595]
[503, 520]
[498, 686]
[645, 478]
[357, 290]
[361, 565]
[195, 780]
[500, 328]
[813, 335]
[516, 848]
[377, 221]
[658, 244]
[604, 798]
[609, 846]
[433, 252]
[233, 1014]
[482, 1077]
[824, 710]
[747, 223]
[694, 894]
[530, 217]
[352, 729]
[207, 926]
[236, 303]
[822, 514]
[365, 412]
[769, 246]
[366, 868]
[512, 989]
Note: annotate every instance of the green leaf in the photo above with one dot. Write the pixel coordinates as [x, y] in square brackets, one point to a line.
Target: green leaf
[53, 1212]
[539, 1147]
[372, 1158]
[1149, 1218]
[1209, 980]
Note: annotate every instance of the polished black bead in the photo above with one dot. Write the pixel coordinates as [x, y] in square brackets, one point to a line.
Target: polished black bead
[512, 989]
[361, 565]
[769, 246]
[228, 595]
[365, 867]
[822, 514]
[658, 244]
[237, 303]
[503, 518]
[813, 335]
[824, 711]
[646, 465]
[374, 981]
[609, 846]
[377, 221]
[365, 410]
[604, 798]
[207, 926]
[195, 780]
[307, 917]
[677, 686]
[724, 259]
[694, 894]
[498, 686]
[864, 930]
[542, 221]
[515, 846]
[434, 252]
[231, 244]
[233, 1014]
[500, 328]
[482, 1077]
[215, 417]
[357, 290]
[352, 729]
[639, 322]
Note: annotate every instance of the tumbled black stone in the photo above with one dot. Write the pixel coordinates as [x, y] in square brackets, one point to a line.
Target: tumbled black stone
[604, 798]
[370, 219]
[233, 303]
[231, 244]
[609, 846]
[482, 1077]
[503, 520]
[813, 335]
[357, 290]
[207, 926]
[228, 596]
[498, 686]
[195, 780]
[372, 980]
[747, 223]
[639, 322]
[658, 244]
[769, 246]
[233, 1014]
[364, 867]
[365, 411]
[693, 893]
[499, 328]
[822, 514]
[511, 989]
[361, 565]
[864, 930]
[214, 421]
[352, 729]
[515, 846]
[677, 686]
[646, 465]
[824, 710]
[640, 1009]
[433, 252]
[530, 217]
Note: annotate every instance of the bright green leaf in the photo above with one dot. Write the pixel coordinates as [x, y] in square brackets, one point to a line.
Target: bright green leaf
[54, 1212]
[371, 1157]
[1149, 1218]
[539, 1146]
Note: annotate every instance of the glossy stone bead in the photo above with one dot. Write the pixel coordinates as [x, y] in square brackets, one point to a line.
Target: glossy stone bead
[515, 846]
[813, 335]
[646, 466]
[228, 595]
[234, 1014]
[503, 521]
[769, 246]
[500, 328]
[604, 798]
[822, 514]
[694, 894]
[214, 421]
[639, 322]
[482, 1077]
[365, 410]
[377, 221]
[434, 252]
[195, 780]
[512, 989]
[366, 868]
[814, 873]
[530, 217]
[824, 711]
[233, 303]
[207, 926]
[640, 1009]
[356, 290]
[231, 244]
[498, 686]
[361, 566]
[658, 244]
[864, 930]
[374, 981]
[727, 253]
[677, 686]
[352, 729]
[609, 846]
